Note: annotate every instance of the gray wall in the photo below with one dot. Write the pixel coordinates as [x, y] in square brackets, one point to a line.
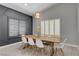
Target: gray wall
[6, 13]
[78, 24]
[68, 15]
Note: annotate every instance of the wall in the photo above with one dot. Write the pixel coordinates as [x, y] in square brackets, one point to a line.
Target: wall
[4, 14]
[68, 15]
[78, 24]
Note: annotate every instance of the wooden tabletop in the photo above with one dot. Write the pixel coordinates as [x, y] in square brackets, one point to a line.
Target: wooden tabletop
[54, 39]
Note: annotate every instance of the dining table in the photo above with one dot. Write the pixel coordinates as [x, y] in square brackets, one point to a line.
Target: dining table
[51, 39]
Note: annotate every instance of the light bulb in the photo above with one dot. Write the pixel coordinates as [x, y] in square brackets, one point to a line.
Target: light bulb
[25, 4]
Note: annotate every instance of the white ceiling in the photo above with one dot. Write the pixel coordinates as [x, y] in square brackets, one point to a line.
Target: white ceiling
[30, 9]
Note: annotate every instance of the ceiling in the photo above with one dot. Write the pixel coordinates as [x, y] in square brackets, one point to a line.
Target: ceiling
[30, 9]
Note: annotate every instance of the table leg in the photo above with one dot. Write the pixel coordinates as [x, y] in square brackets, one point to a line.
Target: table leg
[52, 49]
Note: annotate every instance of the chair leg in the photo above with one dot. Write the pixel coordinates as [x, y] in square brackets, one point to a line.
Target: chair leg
[37, 50]
[42, 50]
[34, 47]
[55, 52]
[24, 46]
[62, 51]
[30, 46]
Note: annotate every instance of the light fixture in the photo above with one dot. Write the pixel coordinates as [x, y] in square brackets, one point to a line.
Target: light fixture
[25, 4]
[37, 15]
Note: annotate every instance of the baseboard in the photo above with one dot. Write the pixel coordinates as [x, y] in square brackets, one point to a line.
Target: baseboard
[10, 45]
[71, 45]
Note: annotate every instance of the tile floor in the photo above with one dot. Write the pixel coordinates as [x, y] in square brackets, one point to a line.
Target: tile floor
[16, 50]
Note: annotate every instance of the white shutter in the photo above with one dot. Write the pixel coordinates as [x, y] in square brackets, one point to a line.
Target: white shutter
[51, 27]
[57, 27]
[42, 27]
[46, 27]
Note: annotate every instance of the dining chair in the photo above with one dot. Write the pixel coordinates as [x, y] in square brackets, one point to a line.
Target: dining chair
[40, 45]
[60, 46]
[31, 42]
[24, 41]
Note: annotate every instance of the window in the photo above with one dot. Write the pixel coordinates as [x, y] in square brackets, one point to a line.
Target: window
[13, 27]
[17, 27]
[22, 27]
[50, 27]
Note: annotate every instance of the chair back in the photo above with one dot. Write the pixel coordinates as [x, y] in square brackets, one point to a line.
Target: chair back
[61, 45]
[24, 40]
[64, 41]
[39, 43]
[30, 41]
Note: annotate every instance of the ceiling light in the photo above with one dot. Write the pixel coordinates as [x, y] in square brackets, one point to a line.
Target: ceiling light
[37, 15]
[25, 4]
